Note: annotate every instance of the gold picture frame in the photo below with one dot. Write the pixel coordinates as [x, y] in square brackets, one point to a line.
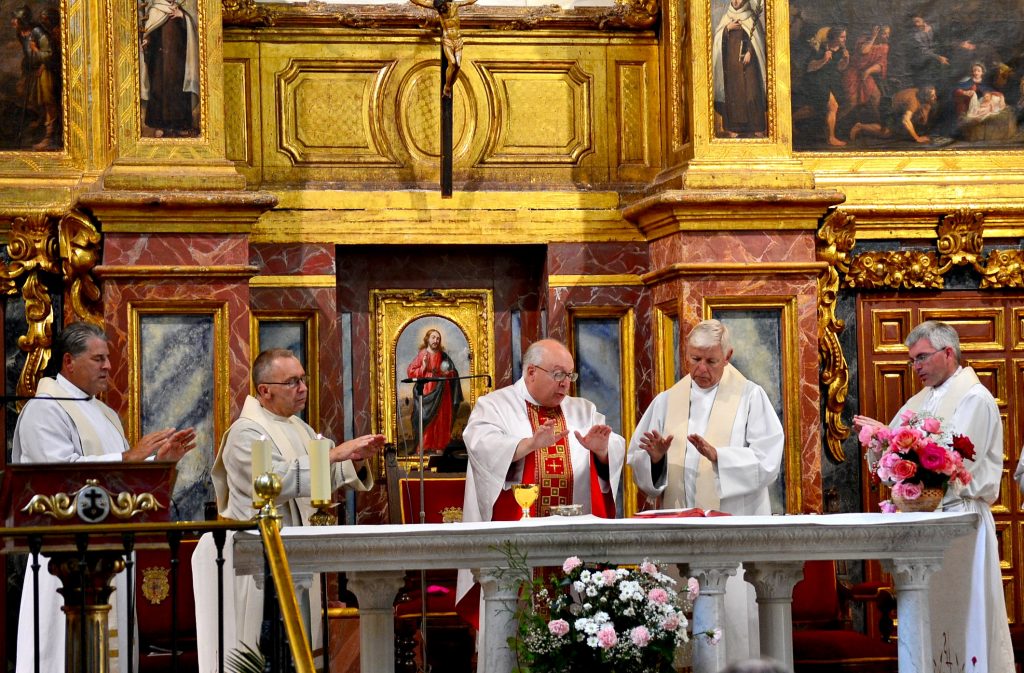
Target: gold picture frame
[309, 320]
[400, 320]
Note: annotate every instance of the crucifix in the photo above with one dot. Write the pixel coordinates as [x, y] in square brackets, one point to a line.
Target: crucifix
[451, 61]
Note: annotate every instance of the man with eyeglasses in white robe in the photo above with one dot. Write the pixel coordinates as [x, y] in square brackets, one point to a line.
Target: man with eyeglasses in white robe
[281, 393]
[969, 621]
[535, 432]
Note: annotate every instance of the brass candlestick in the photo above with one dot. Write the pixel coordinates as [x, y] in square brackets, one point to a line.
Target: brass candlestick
[323, 516]
[267, 487]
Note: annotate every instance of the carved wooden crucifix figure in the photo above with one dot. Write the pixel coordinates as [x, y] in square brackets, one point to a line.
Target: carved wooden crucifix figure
[451, 61]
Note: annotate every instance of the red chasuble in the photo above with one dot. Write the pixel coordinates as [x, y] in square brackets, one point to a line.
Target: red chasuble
[551, 467]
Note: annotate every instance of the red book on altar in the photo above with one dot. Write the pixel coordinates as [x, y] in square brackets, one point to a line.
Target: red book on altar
[678, 513]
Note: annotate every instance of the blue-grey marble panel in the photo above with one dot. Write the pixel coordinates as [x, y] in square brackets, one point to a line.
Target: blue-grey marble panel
[177, 368]
[517, 345]
[599, 363]
[287, 334]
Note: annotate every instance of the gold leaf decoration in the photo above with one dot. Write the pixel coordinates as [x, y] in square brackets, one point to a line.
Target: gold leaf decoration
[960, 239]
[895, 269]
[1004, 268]
[837, 235]
[80, 247]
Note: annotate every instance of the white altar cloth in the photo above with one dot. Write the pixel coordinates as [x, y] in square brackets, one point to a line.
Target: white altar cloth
[772, 548]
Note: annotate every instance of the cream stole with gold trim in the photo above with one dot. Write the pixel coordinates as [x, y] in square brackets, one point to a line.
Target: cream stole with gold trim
[961, 382]
[718, 434]
[87, 434]
[253, 411]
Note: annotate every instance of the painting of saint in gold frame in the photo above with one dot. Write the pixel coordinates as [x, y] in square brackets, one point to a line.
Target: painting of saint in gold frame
[907, 75]
[32, 67]
[169, 68]
[739, 68]
[432, 351]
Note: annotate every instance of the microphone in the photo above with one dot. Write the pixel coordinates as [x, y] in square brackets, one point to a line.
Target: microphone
[428, 379]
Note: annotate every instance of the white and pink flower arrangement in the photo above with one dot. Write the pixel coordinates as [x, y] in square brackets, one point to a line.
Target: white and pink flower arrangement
[919, 454]
[599, 617]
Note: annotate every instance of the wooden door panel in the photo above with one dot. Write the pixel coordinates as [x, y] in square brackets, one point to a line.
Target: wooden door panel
[980, 329]
[1017, 323]
[890, 330]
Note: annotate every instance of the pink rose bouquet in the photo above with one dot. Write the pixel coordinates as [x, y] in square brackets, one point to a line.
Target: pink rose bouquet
[599, 617]
[921, 453]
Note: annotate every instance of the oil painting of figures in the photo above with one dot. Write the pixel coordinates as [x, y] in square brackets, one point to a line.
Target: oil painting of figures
[902, 75]
[30, 78]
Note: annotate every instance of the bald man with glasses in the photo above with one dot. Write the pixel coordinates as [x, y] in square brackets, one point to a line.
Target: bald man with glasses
[972, 595]
[535, 432]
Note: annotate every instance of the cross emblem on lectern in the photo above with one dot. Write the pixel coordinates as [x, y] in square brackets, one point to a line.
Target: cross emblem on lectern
[92, 504]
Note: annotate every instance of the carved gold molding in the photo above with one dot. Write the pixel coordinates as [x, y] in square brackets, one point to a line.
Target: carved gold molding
[92, 503]
[837, 234]
[246, 13]
[33, 251]
[623, 15]
[80, 249]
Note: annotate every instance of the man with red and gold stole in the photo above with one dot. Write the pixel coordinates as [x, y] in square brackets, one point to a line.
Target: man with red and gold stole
[533, 432]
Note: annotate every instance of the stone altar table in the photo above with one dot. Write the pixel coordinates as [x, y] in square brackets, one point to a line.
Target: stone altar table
[772, 548]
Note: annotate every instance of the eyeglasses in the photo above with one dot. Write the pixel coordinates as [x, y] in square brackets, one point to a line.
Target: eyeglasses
[921, 358]
[293, 382]
[560, 376]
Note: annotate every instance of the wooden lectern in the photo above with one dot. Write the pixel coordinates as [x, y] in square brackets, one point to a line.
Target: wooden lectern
[75, 514]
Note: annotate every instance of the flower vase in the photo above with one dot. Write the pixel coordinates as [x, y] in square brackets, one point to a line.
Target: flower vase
[928, 501]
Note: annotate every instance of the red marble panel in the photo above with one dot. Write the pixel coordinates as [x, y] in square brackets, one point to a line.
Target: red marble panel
[731, 247]
[175, 249]
[597, 258]
[309, 259]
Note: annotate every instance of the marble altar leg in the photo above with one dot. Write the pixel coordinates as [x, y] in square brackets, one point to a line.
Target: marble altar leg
[376, 593]
[773, 582]
[498, 623]
[910, 579]
[709, 613]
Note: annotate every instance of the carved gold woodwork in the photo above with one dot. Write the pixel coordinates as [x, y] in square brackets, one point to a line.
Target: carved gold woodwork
[80, 253]
[895, 269]
[635, 14]
[960, 239]
[584, 110]
[1003, 269]
[837, 234]
[247, 13]
[33, 251]
[64, 506]
[41, 251]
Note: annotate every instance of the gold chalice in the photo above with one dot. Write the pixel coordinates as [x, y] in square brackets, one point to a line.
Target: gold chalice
[526, 495]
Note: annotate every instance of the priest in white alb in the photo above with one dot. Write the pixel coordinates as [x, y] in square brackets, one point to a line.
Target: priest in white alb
[533, 432]
[713, 441]
[66, 423]
[968, 614]
[270, 416]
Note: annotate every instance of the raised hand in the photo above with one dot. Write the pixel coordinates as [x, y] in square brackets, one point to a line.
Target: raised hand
[596, 441]
[177, 445]
[656, 445]
[703, 447]
[359, 448]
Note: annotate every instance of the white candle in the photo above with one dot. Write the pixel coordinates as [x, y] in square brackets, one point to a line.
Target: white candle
[320, 469]
[261, 463]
